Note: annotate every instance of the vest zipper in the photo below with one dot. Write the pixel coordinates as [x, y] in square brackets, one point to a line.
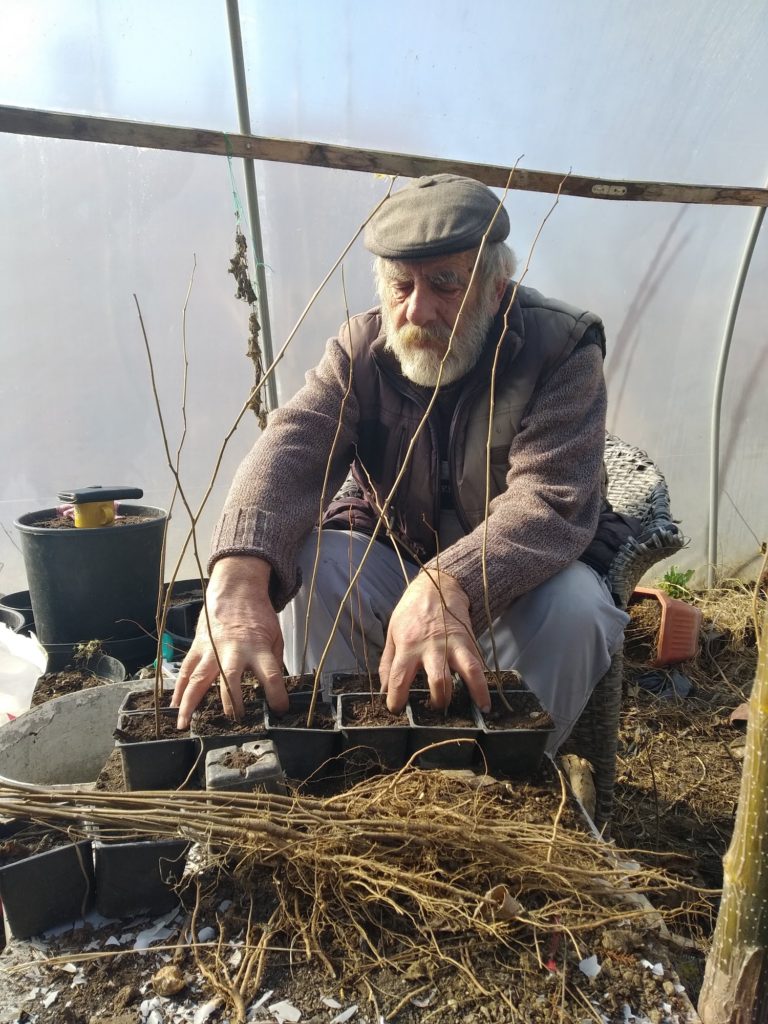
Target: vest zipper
[402, 386]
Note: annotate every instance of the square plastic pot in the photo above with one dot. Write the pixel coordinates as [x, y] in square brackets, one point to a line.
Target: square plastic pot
[157, 763]
[460, 753]
[384, 745]
[138, 876]
[46, 889]
[264, 774]
[303, 752]
[679, 630]
[516, 750]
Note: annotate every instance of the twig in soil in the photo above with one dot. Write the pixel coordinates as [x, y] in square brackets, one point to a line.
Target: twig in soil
[192, 517]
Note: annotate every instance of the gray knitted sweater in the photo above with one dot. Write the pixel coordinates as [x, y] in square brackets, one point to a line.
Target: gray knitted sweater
[543, 521]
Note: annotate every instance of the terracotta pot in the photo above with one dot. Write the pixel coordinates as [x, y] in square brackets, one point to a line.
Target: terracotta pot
[679, 630]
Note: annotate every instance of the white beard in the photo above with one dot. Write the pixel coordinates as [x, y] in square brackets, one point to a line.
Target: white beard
[420, 350]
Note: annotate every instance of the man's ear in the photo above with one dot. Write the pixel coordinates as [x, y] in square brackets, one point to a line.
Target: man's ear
[501, 287]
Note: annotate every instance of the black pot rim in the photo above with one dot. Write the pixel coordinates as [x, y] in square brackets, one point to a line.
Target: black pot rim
[26, 523]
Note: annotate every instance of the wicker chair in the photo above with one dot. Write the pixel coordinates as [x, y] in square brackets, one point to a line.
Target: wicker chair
[635, 488]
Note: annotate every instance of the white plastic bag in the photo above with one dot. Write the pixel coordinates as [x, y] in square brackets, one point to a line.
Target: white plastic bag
[23, 659]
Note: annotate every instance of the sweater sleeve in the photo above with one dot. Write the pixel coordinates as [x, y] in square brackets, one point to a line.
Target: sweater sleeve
[275, 498]
[548, 514]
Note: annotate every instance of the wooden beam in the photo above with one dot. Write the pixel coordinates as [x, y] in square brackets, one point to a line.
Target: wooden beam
[143, 135]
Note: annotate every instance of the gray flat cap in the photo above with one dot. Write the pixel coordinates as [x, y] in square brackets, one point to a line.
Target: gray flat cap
[433, 216]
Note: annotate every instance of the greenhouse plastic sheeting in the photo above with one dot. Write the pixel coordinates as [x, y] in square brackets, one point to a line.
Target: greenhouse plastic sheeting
[658, 92]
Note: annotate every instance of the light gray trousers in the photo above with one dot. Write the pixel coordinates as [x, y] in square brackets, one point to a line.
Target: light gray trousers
[560, 636]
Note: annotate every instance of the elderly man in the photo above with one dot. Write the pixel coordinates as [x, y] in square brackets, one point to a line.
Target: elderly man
[479, 522]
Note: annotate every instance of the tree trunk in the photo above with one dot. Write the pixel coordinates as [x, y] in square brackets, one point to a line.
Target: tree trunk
[735, 989]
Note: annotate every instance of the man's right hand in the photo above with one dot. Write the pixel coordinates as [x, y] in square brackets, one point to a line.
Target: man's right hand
[245, 629]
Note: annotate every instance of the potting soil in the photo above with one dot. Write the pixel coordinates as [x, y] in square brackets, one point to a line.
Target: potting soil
[68, 680]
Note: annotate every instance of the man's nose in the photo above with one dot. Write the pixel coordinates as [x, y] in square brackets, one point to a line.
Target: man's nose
[422, 306]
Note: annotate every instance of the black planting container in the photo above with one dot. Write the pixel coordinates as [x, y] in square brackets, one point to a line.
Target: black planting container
[450, 755]
[385, 745]
[12, 619]
[159, 763]
[181, 620]
[20, 601]
[46, 889]
[97, 583]
[517, 750]
[110, 669]
[106, 669]
[138, 876]
[303, 752]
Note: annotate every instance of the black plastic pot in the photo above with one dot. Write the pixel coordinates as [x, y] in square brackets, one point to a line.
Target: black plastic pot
[383, 745]
[107, 670]
[46, 889]
[138, 876]
[110, 669]
[458, 754]
[93, 584]
[20, 602]
[519, 750]
[181, 621]
[302, 752]
[13, 619]
[264, 774]
[157, 763]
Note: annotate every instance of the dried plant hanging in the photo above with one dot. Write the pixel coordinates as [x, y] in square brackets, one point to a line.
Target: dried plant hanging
[238, 268]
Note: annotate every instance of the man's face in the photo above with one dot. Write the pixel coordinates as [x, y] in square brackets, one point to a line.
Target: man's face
[420, 304]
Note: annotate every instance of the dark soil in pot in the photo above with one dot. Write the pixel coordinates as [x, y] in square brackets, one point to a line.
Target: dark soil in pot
[458, 714]
[144, 700]
[65, 523]
[239, 760]
[56, 684]
[509, 679]
[364, 710]
[366, 682]
[525, 713]
[25, 840]
[296, 717]
[143, 727]
[95, 671]
[210, 719]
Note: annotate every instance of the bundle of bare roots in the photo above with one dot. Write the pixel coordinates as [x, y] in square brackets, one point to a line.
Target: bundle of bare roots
[418, 868]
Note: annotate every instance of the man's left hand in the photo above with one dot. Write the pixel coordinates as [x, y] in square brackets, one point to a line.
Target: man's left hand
[430, 628]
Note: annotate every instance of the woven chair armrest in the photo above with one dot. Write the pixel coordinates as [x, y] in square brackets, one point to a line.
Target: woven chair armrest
[638, 554]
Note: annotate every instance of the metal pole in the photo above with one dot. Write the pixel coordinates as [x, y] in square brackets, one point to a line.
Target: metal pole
[717, 402]
[251, 196]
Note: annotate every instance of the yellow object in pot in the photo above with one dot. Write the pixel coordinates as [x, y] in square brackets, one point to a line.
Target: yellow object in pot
[95, 513]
